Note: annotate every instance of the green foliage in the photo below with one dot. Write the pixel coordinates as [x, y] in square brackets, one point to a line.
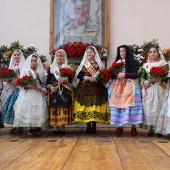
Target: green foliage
[147, 45]
[166, 53]
[6, 52]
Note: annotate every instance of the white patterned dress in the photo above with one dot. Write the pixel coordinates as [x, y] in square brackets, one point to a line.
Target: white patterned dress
[30, 109]
[152, 97]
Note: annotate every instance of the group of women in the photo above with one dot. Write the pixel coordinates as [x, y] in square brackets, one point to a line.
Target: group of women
[132, 97]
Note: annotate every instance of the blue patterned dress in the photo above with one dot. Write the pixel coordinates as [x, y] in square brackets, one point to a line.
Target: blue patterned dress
[126, 115]
[8, 110]
[1, 125]
[9, 96]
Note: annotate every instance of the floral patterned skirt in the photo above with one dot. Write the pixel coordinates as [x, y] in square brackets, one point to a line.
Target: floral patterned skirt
[85, 114]
[91, 103]
[60, 115]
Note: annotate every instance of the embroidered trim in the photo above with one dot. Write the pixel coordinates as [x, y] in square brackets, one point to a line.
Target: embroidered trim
[90, 68]
[92, 115]
[90, 100]
[121, 107]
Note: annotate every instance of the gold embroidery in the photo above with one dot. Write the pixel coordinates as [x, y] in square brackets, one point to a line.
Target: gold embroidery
[89, 67]
[54, 101]
[87, 63]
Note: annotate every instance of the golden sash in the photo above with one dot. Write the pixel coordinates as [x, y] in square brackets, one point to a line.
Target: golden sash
[90, 68]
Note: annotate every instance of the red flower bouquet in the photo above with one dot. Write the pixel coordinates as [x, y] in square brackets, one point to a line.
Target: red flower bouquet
[77, 49]
[67, 72]
[74, 49]
[7, 73]
[157, 71]
[104, 76]
[25, 80]
[116, 67]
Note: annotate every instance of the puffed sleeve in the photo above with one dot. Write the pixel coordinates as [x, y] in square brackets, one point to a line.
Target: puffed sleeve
[132, 75]
[114, 75]
[81, 75]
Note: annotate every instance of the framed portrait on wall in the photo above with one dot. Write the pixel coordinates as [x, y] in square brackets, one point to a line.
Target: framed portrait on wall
[79, 20]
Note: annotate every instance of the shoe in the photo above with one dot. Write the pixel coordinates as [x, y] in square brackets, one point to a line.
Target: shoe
[30, 132]
[62, 132]
[12, 130]
[56, 132]
[151, 133]
[159, 135]
[119, 131]
[133, 131]
[38, 131]
[93, 130]
[88, 131]
[19, 130]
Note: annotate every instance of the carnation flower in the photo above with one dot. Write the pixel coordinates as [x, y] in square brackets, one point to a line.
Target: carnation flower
[157, 71]
[77, 49]
[116, 67]
[67, 72]
[104, 76]
[25, 80]
[7, 73]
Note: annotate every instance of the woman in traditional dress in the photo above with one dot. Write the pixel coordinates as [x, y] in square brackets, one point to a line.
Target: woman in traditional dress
[11, 90]
[124, 93]
[1, 125]
[163, 124]
[30, 107]
[153, 89]
[91, 104]
[60, 98]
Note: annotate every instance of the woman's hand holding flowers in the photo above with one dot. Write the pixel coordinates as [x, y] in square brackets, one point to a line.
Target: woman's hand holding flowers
[93, 79]
[120, 75]
[62, 80]
[146, 83]
[155, 79]
[30, 86]
[53, 89]
[6, 80]
[14, 82]
[44, 90]
[87, 78]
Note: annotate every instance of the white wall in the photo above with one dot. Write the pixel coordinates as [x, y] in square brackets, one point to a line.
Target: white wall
[26, 21]
[131, 21]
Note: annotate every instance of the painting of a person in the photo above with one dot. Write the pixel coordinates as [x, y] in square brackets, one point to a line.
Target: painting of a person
[81, 11]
